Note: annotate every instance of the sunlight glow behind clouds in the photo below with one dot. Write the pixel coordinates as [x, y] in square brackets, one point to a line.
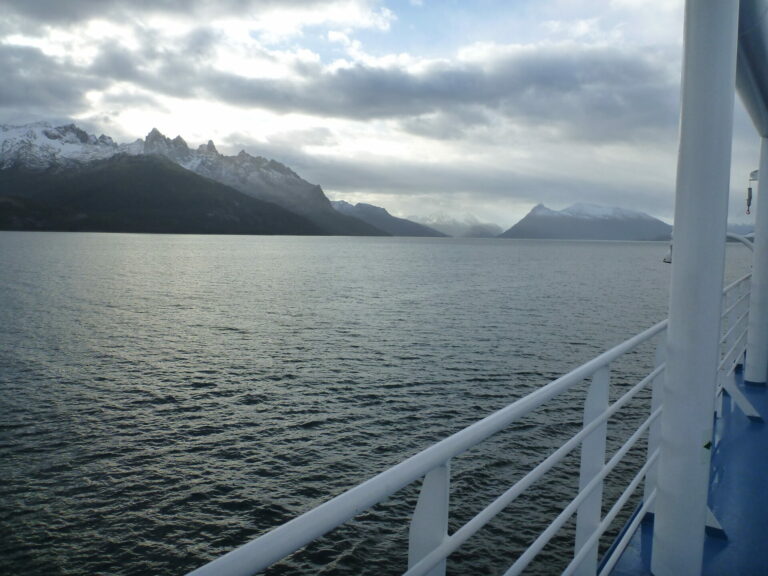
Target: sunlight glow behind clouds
[559, 101]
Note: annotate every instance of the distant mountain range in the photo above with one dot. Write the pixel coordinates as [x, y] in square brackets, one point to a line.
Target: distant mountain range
[383, 220]
[62, 178]
[468, 227]
[589, 222]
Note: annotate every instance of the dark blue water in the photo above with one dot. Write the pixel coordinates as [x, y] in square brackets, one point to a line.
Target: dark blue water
[164, 399]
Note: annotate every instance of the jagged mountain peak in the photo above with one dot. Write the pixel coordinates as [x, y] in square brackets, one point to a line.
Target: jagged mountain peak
[42, 146]
[157, 143]
[208, 149]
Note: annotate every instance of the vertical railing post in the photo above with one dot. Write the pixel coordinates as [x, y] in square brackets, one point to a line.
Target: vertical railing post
[726, 322]
[657, 395]
[592, 462]
[701, 213]
[756, 368]
[429, 526]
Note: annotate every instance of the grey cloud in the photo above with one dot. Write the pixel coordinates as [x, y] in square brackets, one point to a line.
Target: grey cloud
[464, 183]
[117, 101]
[299, 138]
[471, 121]
[592, 94]
[597, 94]
[589, 92]
[34, 82]
[71, 11]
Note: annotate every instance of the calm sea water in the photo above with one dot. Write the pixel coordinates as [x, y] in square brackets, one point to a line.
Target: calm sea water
[164, 399]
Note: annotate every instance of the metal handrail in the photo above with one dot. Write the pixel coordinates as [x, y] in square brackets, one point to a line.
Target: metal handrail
[735, 283]
[741, 238]
[455, 540]
[293, 535]
[286, 539]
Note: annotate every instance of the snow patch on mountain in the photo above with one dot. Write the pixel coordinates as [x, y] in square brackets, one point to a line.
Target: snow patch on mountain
[589, 222]
[541, 210]
[41, 145]
[590, 211]
[583, 210]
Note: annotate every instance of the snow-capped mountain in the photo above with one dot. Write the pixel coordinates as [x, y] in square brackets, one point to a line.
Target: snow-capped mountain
[581, 210]
[589, 222]
[252, 175]
[42, 146]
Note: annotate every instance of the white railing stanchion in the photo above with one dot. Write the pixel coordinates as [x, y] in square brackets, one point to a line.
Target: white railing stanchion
[657, 398]
[592, 462]
[429, 526]
[756, 368]
[696, 283]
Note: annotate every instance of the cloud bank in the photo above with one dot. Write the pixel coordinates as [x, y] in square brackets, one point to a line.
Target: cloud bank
[574, 110]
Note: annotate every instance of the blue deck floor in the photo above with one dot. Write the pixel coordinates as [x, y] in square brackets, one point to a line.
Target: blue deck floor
[738, 498]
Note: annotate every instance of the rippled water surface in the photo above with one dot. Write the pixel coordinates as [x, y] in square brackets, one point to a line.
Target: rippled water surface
[164, 399]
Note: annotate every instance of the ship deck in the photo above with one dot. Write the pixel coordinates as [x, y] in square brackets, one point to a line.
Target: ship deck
[738, 497]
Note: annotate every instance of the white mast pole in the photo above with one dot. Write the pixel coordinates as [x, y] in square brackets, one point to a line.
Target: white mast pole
[701, 213]
[756, 368]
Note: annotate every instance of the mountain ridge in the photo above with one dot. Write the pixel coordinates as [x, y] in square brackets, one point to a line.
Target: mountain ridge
[583, 221]
[41, 146]
[136, 193]
[382, 219]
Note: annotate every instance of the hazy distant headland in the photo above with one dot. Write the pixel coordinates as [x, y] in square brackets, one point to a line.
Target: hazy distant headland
[589, 222]
[62, 178]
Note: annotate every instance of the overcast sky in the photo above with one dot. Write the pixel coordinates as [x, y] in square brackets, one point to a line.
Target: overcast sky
[482, 107]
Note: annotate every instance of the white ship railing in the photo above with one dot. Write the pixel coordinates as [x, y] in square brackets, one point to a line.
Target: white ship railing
[429, 542]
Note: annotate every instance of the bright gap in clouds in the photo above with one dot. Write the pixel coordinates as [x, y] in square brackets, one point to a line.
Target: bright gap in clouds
[483, 108]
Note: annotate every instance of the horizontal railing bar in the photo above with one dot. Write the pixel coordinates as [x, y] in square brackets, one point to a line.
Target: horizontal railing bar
[727, 357]
[455, 540]
[627, 538]
[741, 280]
[735, 304]
[289, 537]
[743, 239]
[533, 550]
[611, 516]
[736, 325]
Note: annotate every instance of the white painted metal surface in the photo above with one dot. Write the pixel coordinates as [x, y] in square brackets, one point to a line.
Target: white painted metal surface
[752, 66]
[429, 526]
[592, 462]
[701, 211]
[756, 369]
[654, 431]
